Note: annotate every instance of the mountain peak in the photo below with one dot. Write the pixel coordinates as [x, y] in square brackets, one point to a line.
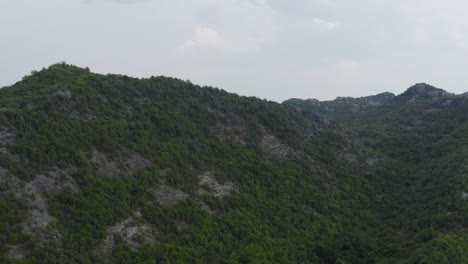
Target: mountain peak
[425, 89]
[55, 73]
[421, 90]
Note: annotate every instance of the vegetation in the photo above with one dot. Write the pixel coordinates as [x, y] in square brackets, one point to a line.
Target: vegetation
[108, 168]
[425, 132]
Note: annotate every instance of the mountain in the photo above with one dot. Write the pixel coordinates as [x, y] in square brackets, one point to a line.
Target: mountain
[421, 91]
[113, 169]
[343, 109]
[425, 131]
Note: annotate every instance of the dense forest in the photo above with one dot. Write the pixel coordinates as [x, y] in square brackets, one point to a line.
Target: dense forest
[112, 169]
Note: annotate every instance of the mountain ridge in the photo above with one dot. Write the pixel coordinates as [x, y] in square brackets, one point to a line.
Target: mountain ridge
[344, 107]
[417, 90]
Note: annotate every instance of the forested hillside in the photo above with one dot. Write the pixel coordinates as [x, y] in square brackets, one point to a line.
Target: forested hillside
[425, 131]
[113, 169]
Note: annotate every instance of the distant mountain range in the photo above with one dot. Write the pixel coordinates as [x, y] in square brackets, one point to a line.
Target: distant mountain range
[113, 169]
[343, 107]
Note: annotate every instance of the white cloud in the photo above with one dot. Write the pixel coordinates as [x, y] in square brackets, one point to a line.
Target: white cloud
[323, 25]
[232, 26]
[204, 36]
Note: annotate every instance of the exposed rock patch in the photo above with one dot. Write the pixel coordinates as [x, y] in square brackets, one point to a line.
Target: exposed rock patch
[82, 116]
[350, 158]
[8, 154]
[315, 123]
[447, 102]
[38, 219]
[18, 252]
[143, 100]
[9, 183]
[371, 161]
[54, 181]
[3, 174]
[122, 164]
[134, 231]
[7, 138]
[165, 172]
[273, 148]
[464, 196]
[65, 93]
[168, 196]
[412, 100]
[204, 206]
[209, 185]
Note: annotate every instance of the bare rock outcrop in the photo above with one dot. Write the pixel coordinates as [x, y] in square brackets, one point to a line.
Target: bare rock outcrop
[464, 196]
[37, 220]
[18, 252]
[64, 92]
[135, 231]
[272, 147]
[7, 137]
[122, 164]
[210, 186]
[38, 217]
[168, 196]
[54, 181]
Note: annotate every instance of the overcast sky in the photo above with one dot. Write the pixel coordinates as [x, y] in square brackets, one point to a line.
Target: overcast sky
[274, 49]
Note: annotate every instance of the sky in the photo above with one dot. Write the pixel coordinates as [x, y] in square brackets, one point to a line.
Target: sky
[273, 49]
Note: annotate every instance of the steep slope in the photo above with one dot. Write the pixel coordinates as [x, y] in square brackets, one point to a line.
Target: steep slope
[425, 131]
[108, 168]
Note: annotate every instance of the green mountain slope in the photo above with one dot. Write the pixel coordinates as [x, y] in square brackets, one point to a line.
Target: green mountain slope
[112, 169]
[115, 169]
[425, 131]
